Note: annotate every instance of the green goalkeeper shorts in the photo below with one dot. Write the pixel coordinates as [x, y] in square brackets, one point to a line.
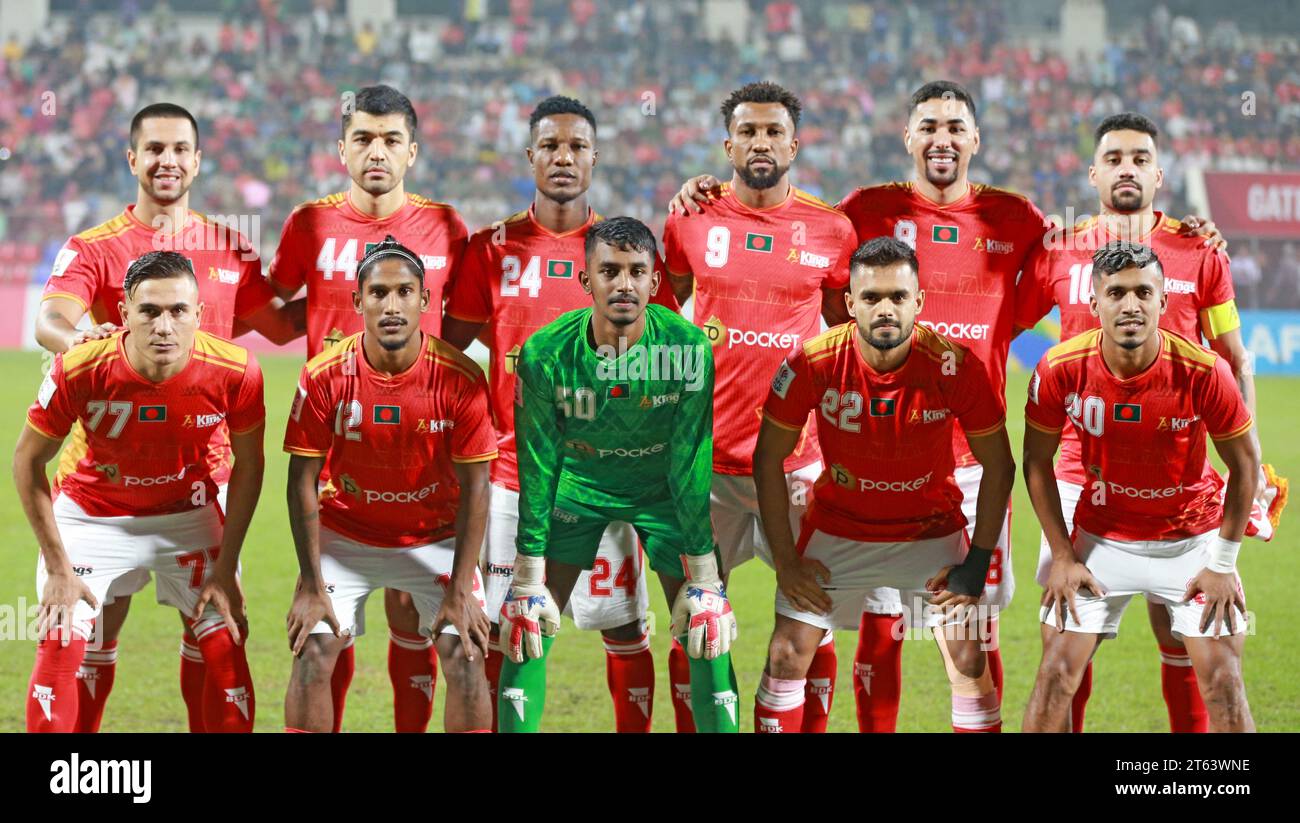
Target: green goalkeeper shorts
[576, 529]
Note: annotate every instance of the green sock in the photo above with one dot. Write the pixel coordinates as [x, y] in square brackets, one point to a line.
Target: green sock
[715, 699]
[521, 693]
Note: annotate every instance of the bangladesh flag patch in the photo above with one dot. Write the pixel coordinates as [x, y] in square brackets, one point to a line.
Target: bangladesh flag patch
[559, 268]
[387, 414]
[759, 242]
[1128, 413]
[943, 234]
[619, 390]
[882, 407]
[152, 414]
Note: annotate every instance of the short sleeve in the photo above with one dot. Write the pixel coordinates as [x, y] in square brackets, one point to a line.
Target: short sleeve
[1034, 298]
[1221, 405]
[792, 393]
[674, 255]
[308, 431]
[474, 438]
[254, 292]
[75, 274]
[470, 294]
[248, 403]
[837, 275]
[972, 399]
[54, 411]
[287, 267]
[664, 294]
[1045, 408]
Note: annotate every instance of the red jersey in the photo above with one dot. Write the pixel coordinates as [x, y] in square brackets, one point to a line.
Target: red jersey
[886, 438]
[1143, 438]
[390, 441]
[324, 241]
[759, 275]
[1197, 282]
[518, 276]
[147, 442]
[91, 266]
[970, 253]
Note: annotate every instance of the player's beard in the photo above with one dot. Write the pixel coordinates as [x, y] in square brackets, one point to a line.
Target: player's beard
[623, 320]
[1128, 201]
[904, 334]
[941, 179]
[167, 199]
[390, 344]
[762, 180]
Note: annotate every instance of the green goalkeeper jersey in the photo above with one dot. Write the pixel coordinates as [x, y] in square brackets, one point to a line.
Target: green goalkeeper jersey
[615, 428]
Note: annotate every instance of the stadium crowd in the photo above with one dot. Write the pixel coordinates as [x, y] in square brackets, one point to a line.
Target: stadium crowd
[267, 90]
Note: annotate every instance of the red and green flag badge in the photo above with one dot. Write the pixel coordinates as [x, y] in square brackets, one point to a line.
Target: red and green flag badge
[943, 234]
[881, 406]
[391, 415]
[1128, 413]
[619, 390]
[559, 268]
[759, 242]
[152, 414]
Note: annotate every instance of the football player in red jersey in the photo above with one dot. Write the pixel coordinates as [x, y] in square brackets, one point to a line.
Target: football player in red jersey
[401, 420]
[1154, 518]
[142, 496]
[320, 246]
[971, 241]
[518, 275]
[87, 277]
[887, 510]
[1126, 173]
[766, 261]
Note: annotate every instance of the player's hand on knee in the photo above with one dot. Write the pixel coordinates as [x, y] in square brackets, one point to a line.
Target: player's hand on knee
[529, 611]
[697, 190]
[701, 610]
[221, 590]
[462, 611]
[311, 605]
[1222, 596]
[1064, 580]
[798, 582]
[59, 598]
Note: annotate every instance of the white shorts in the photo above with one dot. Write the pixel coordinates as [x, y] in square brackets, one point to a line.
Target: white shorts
[1070, 494]
[857, 567]
[601, 598]
[733, 507]
[352, 570]
[135, 581]
[1158, 569]
[180, 548]
[1000, 583]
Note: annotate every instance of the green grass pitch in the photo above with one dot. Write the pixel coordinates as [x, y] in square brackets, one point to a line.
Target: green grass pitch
[1126, 694]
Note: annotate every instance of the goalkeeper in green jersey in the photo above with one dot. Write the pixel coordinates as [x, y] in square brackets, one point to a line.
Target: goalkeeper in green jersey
[614, 422]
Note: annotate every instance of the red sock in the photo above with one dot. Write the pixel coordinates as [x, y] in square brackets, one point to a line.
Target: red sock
[52, 692]
[493, 668]
[344, 668]
[630, 672]
[778, 705]
[679, 678]
[878, 673]
[413, 681]
[228, 701]
[1187, 712]
[819, 692]
[94, 682]
[193, 674]
[1080, 702]
[994, 657]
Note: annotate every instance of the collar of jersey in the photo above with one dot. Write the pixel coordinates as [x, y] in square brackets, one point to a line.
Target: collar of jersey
[532, 218]
[594, 355]
[388, 379]
[121, 352]
[728, 191]
[888, 376]
[956, 204]
[1128, 381]
[365, 218]
[1105, 236]
[190, 216]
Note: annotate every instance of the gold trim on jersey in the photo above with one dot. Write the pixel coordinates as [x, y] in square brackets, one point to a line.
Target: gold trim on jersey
[1179, 347]
[66, 296]
[1044, 429]
[1001, 424]
[331, 355]
[781, 424]
[1244, 428]
[305, 452]
[211, 349]
[828, 342]
[43, 432]
[109, 229]
[441, 352]
[1081, 345]
[476, 458]
[80, 358]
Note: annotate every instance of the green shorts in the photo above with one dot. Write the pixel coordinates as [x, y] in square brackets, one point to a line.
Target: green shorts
[576, 529]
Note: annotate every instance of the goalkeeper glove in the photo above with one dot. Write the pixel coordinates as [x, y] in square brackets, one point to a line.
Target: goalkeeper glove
[529, 611]
[701, 611]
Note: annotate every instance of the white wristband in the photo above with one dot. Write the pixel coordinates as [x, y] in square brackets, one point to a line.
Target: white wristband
[1223, 555]
[529, 570]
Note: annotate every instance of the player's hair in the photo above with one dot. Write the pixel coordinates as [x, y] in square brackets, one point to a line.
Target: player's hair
[390, 248]
[1127, 121]
[558, 104]
[942, 90]
[764, 92]
[380, 100]
[626, 233]
[883, 251]
[1118, 255]
[161, 111]
[157, 265]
